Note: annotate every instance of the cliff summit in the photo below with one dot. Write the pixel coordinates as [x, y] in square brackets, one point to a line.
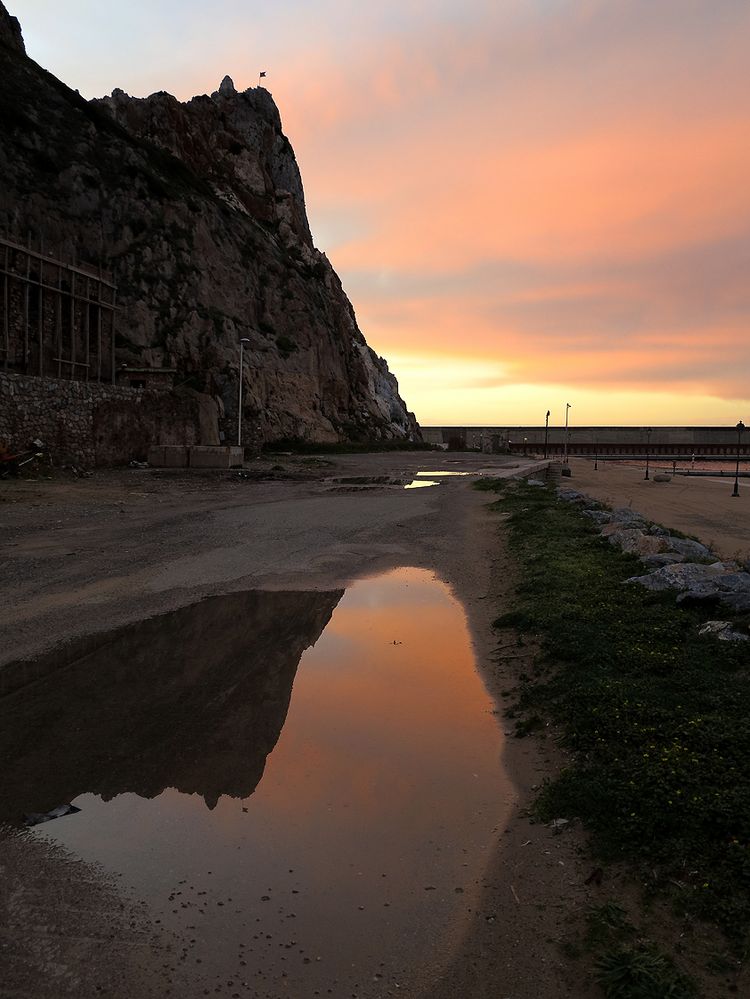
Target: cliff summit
[198, 210]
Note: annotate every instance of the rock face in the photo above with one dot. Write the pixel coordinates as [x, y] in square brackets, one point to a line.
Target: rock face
[198, 210]
[10, 31]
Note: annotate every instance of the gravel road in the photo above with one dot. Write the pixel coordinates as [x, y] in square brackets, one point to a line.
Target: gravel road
[86, 556]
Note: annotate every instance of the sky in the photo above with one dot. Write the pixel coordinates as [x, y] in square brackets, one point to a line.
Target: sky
[529, 202]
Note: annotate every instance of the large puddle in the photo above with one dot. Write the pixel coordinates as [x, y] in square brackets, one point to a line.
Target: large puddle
[420, 483]
[305, 785]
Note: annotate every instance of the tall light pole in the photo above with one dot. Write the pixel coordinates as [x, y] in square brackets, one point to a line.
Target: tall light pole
[740, 427]
[243, 341]
[648, 449]
[567, 407]
[546, 433]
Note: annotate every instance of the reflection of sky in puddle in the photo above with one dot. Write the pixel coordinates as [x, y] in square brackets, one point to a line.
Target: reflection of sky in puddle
[360, 852]
[445, 474]
[420, 484]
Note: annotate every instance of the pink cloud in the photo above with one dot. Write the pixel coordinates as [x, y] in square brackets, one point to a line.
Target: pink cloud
[557, 188]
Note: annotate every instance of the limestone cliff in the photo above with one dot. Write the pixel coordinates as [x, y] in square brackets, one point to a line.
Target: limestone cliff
[198, 210]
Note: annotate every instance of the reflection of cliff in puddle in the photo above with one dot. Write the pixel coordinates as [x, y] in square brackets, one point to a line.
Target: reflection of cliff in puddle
[193, 700]
[356, 861]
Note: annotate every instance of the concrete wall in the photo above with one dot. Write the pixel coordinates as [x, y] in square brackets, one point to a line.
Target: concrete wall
[91, 423]
[715, 441]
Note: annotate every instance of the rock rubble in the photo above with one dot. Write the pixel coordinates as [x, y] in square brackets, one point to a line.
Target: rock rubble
[679, 564]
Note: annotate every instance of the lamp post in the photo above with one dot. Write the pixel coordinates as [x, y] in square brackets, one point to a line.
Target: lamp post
[243, 341]
[546, 433]
[736, 491]
[648, 450]
[567, 407]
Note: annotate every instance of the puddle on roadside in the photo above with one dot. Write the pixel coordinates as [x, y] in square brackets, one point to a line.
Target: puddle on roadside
[328, 837]
[446, 474]
[428, 478]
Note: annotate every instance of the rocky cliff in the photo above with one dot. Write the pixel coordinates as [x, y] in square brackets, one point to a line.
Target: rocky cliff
[198, 210]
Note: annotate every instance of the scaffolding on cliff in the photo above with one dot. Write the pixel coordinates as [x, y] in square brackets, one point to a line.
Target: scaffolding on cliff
[57, 319]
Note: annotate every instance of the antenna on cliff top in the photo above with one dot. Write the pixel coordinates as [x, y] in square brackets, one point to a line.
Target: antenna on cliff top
[261, 75]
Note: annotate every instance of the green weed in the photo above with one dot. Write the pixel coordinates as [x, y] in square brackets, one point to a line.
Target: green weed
[606, 925]
[641, 971]
[655, 719]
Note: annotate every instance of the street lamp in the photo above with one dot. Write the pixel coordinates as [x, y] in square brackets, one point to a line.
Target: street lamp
[567, 407]
[740, 427]
[546, 433]
[648, 449]
[243, 341]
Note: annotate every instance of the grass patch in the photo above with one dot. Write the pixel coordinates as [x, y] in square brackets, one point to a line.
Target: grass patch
[641, 971]
[625, 962]
[490, 485]
[655, 719]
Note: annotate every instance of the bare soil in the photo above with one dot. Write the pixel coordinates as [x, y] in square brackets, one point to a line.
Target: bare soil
[89, 555]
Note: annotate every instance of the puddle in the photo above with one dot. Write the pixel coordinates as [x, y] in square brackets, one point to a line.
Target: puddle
[362, 483]
[310, 818]
[433, 479]
[445, 474]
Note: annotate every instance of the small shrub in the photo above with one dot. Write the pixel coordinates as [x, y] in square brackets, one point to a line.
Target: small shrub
[641, 972]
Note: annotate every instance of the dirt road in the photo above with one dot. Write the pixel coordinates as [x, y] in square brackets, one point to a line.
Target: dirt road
[88, 556]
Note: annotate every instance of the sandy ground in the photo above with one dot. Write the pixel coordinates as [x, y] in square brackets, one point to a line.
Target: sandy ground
[703, 507]
[89, 555]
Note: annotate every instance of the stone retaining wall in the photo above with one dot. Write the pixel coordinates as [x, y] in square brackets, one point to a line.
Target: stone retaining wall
[92, 423]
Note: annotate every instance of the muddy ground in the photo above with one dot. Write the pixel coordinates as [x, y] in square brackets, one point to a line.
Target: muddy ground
[89, 555]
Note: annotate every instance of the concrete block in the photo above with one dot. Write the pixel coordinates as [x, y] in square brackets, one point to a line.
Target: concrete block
[175, 456]
[205, 456]
[168, 456]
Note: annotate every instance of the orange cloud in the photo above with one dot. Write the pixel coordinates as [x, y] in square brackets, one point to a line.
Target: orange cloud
[516, 195]
[635, 189]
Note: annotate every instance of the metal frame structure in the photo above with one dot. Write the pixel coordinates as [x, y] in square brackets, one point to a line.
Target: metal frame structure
[56, 319]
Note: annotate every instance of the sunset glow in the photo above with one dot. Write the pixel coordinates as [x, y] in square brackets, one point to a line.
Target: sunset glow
[528, 201]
